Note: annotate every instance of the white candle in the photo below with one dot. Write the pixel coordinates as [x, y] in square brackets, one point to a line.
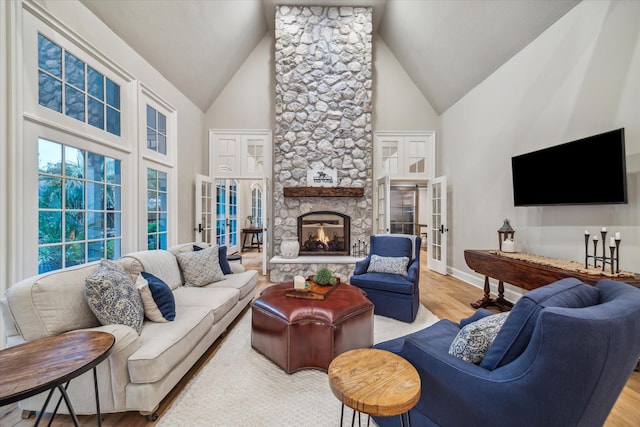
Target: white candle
[298, 282]
[617, 235]
[604, 229]
[612, 242]
[586, 232]
[595, 238]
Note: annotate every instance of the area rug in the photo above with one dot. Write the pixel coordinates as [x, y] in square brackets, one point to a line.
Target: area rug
[240, 387]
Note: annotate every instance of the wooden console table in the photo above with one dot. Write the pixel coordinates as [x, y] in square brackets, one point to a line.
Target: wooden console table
[523, 274]
[256, 238]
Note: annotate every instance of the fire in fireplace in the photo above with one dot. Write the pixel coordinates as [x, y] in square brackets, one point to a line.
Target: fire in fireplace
[324, 233]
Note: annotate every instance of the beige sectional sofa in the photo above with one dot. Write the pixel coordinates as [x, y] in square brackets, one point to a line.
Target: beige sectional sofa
[142, 369]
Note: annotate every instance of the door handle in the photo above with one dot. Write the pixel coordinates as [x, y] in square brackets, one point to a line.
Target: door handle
[199, 228]
[442, 229]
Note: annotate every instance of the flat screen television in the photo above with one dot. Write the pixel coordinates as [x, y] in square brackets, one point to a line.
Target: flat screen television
[588, 171]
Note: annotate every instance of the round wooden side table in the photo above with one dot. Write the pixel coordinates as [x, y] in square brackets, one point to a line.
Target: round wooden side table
[50, 363]
[374, 382]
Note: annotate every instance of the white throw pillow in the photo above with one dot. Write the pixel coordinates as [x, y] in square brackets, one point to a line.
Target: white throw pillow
[473, 341]
[200, 268]
[391, 265]
[157, 298]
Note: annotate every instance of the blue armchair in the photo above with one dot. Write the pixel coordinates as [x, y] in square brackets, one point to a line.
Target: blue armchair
[561, 358]
[393, 295]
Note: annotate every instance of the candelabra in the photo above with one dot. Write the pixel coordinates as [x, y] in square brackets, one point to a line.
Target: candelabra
[359, 249]
[614, 248]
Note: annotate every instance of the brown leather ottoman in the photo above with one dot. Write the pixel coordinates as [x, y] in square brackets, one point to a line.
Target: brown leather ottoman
[296, 333]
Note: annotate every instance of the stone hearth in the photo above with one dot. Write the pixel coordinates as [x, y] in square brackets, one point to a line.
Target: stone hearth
[323, 69]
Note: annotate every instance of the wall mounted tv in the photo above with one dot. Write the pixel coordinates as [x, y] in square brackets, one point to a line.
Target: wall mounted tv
[588, 171]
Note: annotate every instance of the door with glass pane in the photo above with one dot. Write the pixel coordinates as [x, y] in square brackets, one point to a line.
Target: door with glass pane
[383, 223]
[438, 231]
[266, 201]
[403, 202]
[205, 193]
[227, 231]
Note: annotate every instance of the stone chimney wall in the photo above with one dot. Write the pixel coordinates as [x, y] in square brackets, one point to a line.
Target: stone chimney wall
[323, 69]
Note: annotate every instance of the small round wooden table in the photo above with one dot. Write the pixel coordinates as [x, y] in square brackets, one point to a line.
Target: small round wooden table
[374, 382]
[50, 363]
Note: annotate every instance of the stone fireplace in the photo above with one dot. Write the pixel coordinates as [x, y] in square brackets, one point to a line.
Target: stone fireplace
[323, 98]
[324, 233]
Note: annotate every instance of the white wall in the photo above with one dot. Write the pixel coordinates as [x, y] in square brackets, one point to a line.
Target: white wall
[579, 78]
[398, 104]
[247, 100]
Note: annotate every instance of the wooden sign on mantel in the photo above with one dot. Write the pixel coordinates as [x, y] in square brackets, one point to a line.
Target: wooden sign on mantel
[322, 177]
[323, 191]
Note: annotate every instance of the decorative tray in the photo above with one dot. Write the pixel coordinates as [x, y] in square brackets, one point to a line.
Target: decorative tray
[315, 292]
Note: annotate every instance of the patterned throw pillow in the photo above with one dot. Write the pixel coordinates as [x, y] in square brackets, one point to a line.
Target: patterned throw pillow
[113, 297]
[200, 267]
[222, 258]
[473, 341]
[392, 265]
[157, 298]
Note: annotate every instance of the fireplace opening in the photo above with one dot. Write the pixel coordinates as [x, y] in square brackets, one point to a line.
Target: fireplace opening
[324, 233]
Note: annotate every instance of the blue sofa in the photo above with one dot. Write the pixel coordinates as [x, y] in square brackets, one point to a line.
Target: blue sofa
[393, 295]
[561, 358]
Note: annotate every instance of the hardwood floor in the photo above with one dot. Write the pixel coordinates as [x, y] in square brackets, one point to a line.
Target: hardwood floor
[445, 296]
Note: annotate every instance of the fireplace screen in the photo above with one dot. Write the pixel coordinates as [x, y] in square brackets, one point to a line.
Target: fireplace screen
[324, 233]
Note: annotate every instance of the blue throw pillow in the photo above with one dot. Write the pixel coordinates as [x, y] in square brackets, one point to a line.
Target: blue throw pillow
[162, 300]
[222, 258]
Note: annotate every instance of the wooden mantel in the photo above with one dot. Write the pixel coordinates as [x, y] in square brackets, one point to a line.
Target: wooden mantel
[323, 191]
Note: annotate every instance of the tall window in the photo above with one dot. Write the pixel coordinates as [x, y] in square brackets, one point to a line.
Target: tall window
[157, 139]
[156, 130]
[156, 209]
[70, 86]
[256, 207]
[79, 206]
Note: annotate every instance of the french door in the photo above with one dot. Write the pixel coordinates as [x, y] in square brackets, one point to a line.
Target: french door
[205, 219]
[226, 220]
[437, 236]
[384, 195]
[266, 201]
[217, 212]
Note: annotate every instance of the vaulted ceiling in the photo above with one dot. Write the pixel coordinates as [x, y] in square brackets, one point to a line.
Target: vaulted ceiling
[447, 47]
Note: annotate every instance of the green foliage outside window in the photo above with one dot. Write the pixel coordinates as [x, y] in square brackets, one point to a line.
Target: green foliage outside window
[156, 209]
[79, 206]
